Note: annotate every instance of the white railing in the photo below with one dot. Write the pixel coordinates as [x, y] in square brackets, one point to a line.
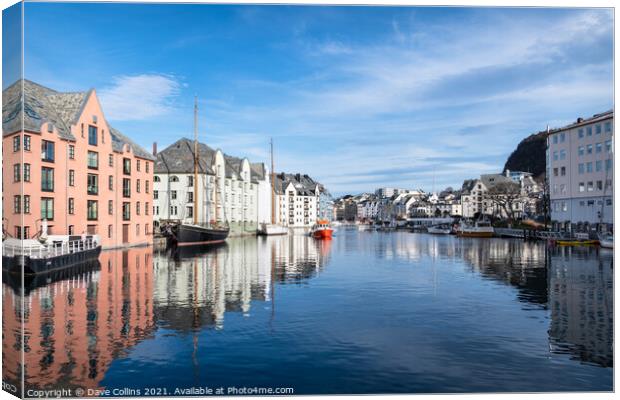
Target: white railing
[51, 250]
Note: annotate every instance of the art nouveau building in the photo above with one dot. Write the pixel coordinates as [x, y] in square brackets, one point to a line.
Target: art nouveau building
[228, 189]
[64, 164]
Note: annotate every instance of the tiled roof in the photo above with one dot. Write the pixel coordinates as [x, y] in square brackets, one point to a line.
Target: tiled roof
[62, 110]
[304, 185]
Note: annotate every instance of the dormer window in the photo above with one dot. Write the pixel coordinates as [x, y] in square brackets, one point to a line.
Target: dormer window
[94, 119]
[50, 128]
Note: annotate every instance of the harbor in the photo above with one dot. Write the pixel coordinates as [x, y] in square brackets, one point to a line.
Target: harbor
[382, 308]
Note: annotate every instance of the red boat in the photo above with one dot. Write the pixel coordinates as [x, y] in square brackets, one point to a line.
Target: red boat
[321, 230]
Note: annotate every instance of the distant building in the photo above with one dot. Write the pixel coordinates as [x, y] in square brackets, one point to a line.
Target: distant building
[388, 192]
[580, 171]
[66, 165]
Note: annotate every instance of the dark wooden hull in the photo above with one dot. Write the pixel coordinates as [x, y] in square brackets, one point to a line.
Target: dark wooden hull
[32, 266]
[188, 235]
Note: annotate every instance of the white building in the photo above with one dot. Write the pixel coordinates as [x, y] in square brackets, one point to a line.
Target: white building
[297, 200]
[580, 171]
[228, 188]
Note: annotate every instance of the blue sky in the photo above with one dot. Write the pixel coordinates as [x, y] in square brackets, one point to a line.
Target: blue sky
[357, 97]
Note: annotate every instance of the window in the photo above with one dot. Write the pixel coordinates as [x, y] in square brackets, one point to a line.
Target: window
[564, 206]
[27, 204]
[562, 154]
[111, 160]
[173, 210]
[582, 203]
[111, 182]
[17, 173]
[146, 228]
[71, 206]
[137, 185]
[93, 160]
[555, 139]
[71, 177]
[126, 211]
[155, 194]
[589, 131]
[47, 208]
[146, 186]
[607, 127]
[137, 208]
[110, 207]
[156, 210]
[126, 166]
[126, 187]
[71, 229]
[92, 184]
[599, 147]
[580, 133]
[555, 155]
[91, 212]
[17, 204]
[598, 166]
[589, 167]
[582, 187]
[190, 197]
[16, 141]
[562, 137]
[590, 186]
[581, 150]
[103, 136]
[71, 152]
[47, 179]
[174, 178]
[608, 145]
[608, 202]
[190, 181]
[109, 231]
[190, 212]
[608, 164]
[589, 151]
[599, 185]
[563, 171]
[156, 179]
[555, 172]
[26, 143]
[598, 129]
[173, 194]
[47, 151]
[562, 188]
[92, 135]
[137, 165]
[146, 164]
[146, 208]
[580, 168]
[137, 229]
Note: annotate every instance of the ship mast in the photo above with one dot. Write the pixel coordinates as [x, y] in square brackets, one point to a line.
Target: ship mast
[273, 187]
[195, 160]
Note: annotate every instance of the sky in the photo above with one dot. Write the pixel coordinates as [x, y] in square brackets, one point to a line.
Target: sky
[356, 97]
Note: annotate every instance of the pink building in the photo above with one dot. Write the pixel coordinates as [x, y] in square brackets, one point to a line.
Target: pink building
[67, 165]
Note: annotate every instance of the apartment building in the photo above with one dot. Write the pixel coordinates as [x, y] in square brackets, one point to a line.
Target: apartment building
[229, 189]
[64, 164]
[580, 171]
[297, 200]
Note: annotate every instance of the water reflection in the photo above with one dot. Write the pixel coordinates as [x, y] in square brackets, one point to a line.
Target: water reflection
[77, 325]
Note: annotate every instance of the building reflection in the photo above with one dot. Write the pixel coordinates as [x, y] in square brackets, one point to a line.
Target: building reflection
[75, 327]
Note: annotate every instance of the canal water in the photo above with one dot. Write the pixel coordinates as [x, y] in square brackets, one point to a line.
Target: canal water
[368, 312]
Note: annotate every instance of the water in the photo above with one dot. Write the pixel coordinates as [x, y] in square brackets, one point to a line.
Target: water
[368, 312]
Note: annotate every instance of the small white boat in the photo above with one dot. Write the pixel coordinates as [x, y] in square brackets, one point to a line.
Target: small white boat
[480, 228]
[606, 240]
[439, 229]
[272, 230]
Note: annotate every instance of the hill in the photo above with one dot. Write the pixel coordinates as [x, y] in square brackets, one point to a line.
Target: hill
[529, 156]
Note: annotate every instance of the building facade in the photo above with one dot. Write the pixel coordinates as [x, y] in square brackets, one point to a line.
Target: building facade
[67, 166]
[297, 200]
[580, 171]
[228, 189]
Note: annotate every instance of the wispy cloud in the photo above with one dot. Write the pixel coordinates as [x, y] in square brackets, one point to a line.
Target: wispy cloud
[139, 97]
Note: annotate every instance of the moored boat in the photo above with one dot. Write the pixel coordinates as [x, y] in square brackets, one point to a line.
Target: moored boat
[440, 229]
[577, 242]
[272, 229]
[321, 230]
[606, 240]
[480, 229]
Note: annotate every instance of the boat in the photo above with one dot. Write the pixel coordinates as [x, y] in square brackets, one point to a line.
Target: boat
[440, 229]
[273, 228]
[606, 240]
[480, 228]
[577, 242]
[197, 233]
[48, 254]
[321, 230]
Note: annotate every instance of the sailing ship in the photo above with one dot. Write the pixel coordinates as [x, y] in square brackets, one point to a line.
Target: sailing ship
[273, 228]
[199, 232]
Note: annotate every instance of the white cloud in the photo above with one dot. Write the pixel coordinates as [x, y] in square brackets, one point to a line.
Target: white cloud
[139, 97]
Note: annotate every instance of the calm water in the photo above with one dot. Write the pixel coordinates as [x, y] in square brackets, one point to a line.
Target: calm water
[368, 312]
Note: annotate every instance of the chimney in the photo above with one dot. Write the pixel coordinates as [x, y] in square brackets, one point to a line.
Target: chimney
[154, 148]
[579, 120]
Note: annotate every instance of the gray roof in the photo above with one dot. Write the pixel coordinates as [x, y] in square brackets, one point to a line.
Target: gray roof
[304, 185]
[468, 185]
[491, 180]
[42, 104]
